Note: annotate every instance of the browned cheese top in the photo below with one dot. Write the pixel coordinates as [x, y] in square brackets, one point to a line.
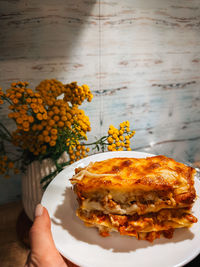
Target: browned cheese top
[128, 174]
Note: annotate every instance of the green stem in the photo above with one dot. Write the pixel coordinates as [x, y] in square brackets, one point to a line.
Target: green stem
[50, 176]
[8, 100]
[17, 159]
[97, 142]
[65, 164]
[5, 129]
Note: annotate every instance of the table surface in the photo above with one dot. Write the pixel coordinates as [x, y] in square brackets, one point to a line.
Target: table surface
[14, 241]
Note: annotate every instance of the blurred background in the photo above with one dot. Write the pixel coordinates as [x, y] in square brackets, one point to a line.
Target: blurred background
[140, 58]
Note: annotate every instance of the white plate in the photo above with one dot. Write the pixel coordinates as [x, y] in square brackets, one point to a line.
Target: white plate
[86, 248]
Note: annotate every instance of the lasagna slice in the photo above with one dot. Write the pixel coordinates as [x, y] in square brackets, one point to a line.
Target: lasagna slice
[139, 197]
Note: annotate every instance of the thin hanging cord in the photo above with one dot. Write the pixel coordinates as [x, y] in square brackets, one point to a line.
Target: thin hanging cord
[99, 74]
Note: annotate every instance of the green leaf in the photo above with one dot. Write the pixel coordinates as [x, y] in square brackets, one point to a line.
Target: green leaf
[51, 175]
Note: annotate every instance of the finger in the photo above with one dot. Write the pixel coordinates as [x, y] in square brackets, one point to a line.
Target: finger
[43, 250]
[40, 234]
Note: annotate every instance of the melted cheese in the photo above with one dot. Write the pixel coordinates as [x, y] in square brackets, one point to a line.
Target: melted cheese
[124, 175]
[115, 208]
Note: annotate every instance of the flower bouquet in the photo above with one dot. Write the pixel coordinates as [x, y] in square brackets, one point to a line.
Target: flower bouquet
[48, 122]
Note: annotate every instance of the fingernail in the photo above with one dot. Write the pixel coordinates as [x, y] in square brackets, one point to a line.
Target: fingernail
[38, 210]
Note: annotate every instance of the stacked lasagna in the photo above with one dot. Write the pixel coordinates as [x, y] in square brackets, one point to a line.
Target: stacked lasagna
[145, 198]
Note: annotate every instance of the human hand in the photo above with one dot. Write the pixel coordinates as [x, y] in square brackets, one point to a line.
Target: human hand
[43, 251]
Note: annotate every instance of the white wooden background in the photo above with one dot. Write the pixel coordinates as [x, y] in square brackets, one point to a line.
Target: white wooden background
[140, 58]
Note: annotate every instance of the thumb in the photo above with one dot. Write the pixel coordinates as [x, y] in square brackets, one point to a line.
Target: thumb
[43, 249]
[40, 233]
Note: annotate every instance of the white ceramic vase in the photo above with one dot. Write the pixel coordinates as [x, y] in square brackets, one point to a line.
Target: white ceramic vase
[31, 188]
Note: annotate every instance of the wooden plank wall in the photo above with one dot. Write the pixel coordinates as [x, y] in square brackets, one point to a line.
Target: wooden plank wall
[140, 58]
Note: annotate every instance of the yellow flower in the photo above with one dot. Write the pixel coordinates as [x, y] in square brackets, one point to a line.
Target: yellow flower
[48, 127]
[44, 123]
[31, 119]
[50, 113]
[51, 122]
[39, 116]
[117, 143]
[29, 91]
[40, 101]
[56, 111]
[10, 165]
[54, 131]
[121, 131]
[110, 140]
[110, 132]
[40, 127]
[115, 136]
[56, 118]
[69, 116]
[122, 124]
[45, 133]
[110, 148]
[47, 139]
[132, 134]
[25, 124]
[36, 110]
[33, 105]
[28, 100]
[127, 123]
[44, 116]
[72, 157]
[37, 95]
[61, 124]
[121, 137]
[19, 120]
[54, 137]
[15, 100]
[52, 143]
[83, 153]
[18, 95]
[64, 118]
[34, 127]
[68, 124]
[10, 115]
[77, 153]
